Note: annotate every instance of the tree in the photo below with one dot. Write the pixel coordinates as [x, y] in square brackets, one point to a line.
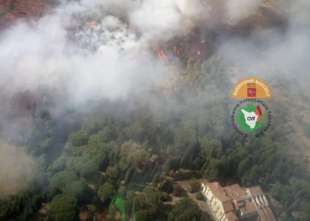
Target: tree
[211, 147]
[63, 208]
[153, 197]
[143, 215]
[306, 215]
[79, 138]
[22, 205]
[79, 190]
[106, 191]
[89, 160]
[59, 181]
[185, 210]
[194, 186]
[212, 171]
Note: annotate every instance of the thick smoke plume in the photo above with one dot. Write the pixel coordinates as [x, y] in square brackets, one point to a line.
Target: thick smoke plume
[89, 50]
[273, 52]
[52, 52]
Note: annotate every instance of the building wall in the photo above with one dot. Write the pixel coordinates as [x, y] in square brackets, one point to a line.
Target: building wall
[255, 194]
[214, 203]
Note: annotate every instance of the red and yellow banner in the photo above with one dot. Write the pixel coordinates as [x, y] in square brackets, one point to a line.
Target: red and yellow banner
[251, 88]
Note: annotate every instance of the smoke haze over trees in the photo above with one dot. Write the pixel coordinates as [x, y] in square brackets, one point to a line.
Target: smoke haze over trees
[113, 98]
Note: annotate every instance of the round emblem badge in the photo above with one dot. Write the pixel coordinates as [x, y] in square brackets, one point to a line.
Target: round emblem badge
[251, 117]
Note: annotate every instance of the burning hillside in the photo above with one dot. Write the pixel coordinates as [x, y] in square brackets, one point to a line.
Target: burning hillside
[107, 104]
[203, 39]
[97, 27]
[12, 10]
[99, 45]
[103, 31]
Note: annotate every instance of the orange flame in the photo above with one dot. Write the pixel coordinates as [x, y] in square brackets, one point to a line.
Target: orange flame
[161, 54]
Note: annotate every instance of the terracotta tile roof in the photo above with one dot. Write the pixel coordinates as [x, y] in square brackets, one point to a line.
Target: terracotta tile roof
[235, 191]
[248, 209]
[228, 206]
[218, 191]
[244, 203]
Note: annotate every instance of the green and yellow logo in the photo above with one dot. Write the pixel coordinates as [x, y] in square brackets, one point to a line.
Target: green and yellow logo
[251, 116]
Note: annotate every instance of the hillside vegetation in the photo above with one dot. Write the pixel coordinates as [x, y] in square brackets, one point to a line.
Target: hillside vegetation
[138, 150]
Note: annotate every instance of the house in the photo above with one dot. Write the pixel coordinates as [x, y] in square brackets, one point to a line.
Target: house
[235, 203]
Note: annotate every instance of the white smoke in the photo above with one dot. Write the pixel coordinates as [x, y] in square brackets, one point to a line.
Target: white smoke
[274, 52]
[164, 19]
[117, 34]
[43, 56]
[92, 49]
[241, 9]
[16, 169]
[277, 56]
